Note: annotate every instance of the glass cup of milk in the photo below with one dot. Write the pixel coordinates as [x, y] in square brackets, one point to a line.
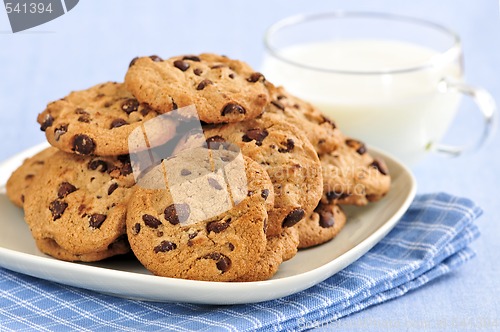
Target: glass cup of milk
[394, 82]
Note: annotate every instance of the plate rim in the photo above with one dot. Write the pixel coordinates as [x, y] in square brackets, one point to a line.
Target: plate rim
[290, 284]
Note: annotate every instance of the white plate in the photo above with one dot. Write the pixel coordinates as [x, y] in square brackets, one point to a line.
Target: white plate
[127, 278]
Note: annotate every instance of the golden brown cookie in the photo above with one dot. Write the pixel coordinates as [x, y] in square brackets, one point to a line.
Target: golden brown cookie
[207, 222]
[23, 176]
[321, 226]
[99, 120]
[51, 248]
[287, 155]
[223, 90]
[78, 203]
[352, 176]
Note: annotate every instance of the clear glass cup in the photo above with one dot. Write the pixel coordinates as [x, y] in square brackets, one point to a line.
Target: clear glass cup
[393, 81]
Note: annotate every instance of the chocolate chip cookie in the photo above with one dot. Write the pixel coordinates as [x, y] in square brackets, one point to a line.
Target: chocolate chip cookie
[321, 226]
[180, 230]
[22, 177]
[352, 176]
[98, 121]
[51, 248]
[287, 155]
[76, 206]
[223, 90]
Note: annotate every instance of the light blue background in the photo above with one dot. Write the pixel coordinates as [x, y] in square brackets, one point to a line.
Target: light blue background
[97, 39]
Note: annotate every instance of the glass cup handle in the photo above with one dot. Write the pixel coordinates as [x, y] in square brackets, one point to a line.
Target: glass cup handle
[485, 104]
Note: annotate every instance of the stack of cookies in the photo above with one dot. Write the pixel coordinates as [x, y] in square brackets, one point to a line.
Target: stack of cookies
[266, 174]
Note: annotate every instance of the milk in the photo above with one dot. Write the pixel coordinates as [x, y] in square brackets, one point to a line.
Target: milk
[404, 113]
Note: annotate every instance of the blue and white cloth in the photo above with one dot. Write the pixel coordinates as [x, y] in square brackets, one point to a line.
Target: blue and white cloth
[430, 240]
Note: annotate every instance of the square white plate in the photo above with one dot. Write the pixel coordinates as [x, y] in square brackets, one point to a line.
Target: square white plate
[125, 277]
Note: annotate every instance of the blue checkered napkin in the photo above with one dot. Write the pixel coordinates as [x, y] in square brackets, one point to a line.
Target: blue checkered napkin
[431, 239]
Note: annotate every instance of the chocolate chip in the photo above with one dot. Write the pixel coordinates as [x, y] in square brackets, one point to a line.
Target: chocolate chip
[112, 188]
[281, 97]
[214, 184]
[29, 176]
[327, 120]
[151, 221]
[182, 65]
[218, 66]
[118, 123]
[380, 165]
[133, 61]
[231, 76]
[22, 198]
[185, 172]
[57, 208]
[293, 217]
[193, 235]
[136, 229]
[197, 71]
[336, 195]
[126, 169]
[264, 193]
[155, 58]
[165, 246]
[65, 189]
[96, 220]
[176, 213]
[61, 130]
[231, 246]
[145, 109]
[47, 122]
[218, 226]
[333, 195]
[159, 233]
[232, 109]
[130, 105]
[83, 144]
[215, 142]
[101, 165]
[84, 118]
[326, 217]
[278, 105]
[191, 58]
[357, 145]
[224, 264]
[124, 158]
[255, 134]
[289, 144]
[255, 77]
[203, 84]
